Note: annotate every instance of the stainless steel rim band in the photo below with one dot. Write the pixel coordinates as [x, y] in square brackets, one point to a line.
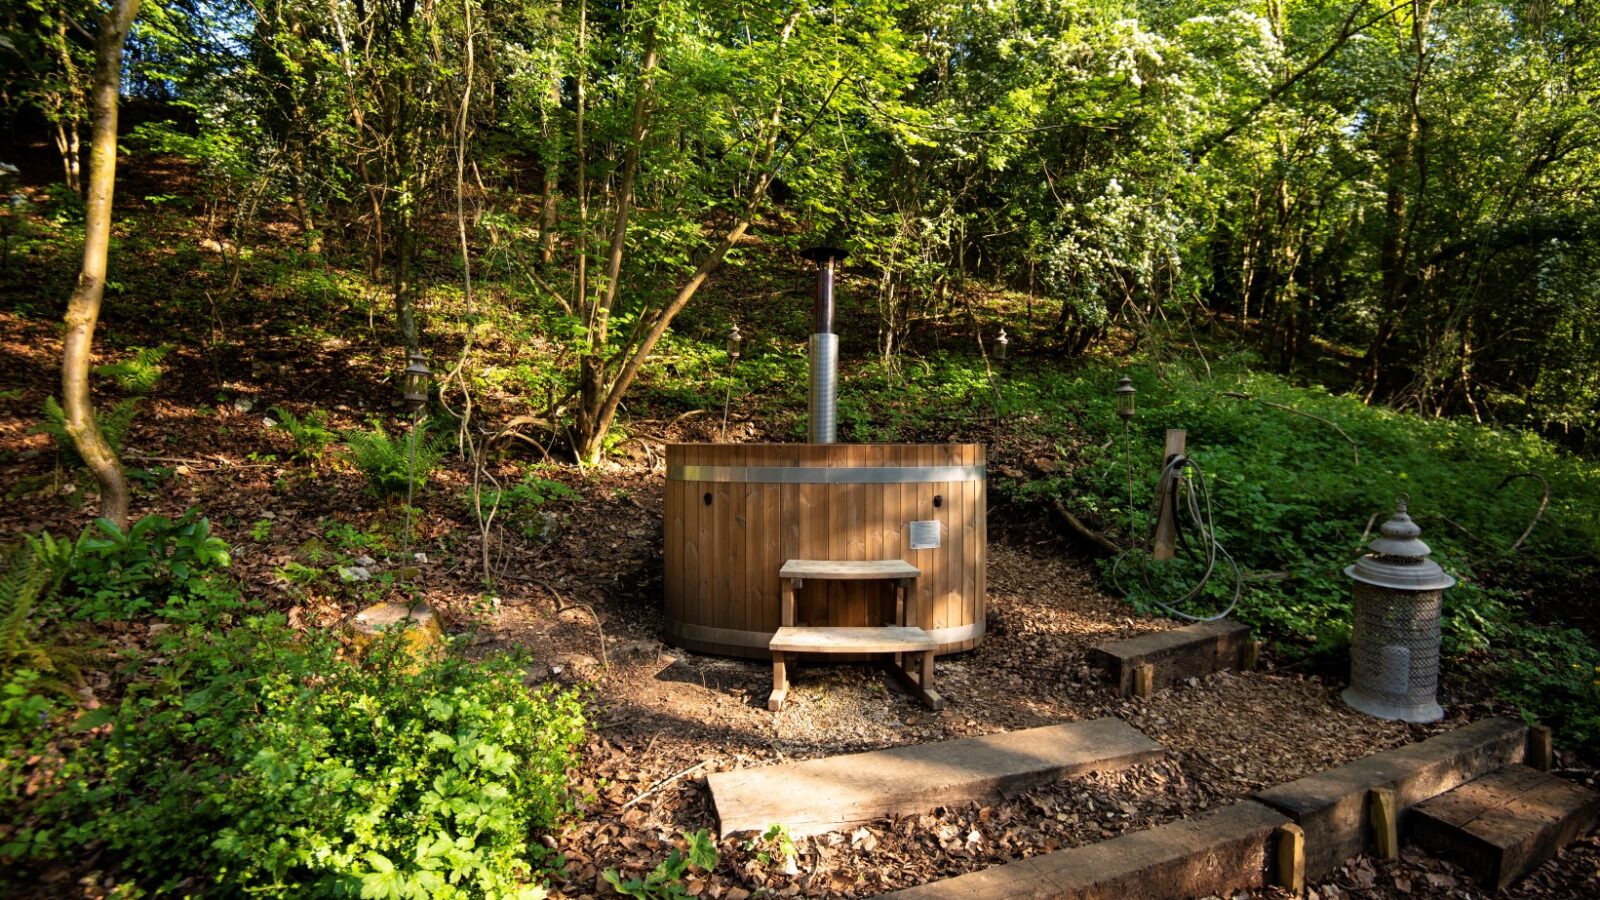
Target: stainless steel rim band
[827, 474]
[735, 638]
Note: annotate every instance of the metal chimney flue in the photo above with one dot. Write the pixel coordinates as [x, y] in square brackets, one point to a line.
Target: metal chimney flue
[822, 409]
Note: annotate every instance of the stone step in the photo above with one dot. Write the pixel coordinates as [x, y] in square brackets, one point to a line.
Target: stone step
[1503, 825]
[1218, 853]
[1188, 652]
[840, 639]
[840, 792]
[1333, 806]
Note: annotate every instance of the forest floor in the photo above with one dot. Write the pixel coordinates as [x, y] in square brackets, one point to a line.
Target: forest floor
[581, 600]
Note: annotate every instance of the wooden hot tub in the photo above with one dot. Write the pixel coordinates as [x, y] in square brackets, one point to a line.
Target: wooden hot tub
[736, 512]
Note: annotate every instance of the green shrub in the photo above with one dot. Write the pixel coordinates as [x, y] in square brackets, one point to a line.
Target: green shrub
[311, 434]
[1554, 674]
[387, 461]
[264, 763]
[519, 504]
[170, 568]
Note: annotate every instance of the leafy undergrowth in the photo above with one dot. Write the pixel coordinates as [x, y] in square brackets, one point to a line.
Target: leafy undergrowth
[1297, 476]
[248, 757]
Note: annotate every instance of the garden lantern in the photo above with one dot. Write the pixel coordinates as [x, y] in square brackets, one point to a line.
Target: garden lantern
[1000, 344]
[735, 339]
[416, 381]
[1394, 640]
[1125, 394]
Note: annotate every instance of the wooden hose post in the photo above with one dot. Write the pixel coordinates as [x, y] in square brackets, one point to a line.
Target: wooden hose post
[1166, 516]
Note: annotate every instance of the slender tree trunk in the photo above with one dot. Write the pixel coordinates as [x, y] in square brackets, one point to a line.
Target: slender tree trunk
[591, 371]
[83, 308]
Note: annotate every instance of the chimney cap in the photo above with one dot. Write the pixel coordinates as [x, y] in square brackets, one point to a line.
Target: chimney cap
[822, 254]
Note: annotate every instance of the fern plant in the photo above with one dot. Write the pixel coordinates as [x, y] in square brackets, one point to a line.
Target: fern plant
[139, 373]
[114, 424]
[33, 570]
[311, 434]
[386, 460]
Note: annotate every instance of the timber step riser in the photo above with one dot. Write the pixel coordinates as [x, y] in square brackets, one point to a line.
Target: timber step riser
[841, 792]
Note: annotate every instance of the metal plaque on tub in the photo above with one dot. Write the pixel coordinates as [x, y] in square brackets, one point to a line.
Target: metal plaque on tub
[925, 535]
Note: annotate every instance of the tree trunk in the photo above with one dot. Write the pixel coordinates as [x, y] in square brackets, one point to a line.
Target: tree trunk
[83, 309]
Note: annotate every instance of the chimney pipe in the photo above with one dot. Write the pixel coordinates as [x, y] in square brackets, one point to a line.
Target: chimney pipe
[822, 407]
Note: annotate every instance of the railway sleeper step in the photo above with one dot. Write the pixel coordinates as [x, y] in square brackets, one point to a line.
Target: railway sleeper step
[842, 792]
[1502, 826]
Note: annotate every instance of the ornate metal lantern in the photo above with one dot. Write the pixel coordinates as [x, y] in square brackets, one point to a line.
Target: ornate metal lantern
[735, 342]
[415, 381]
[1001, 344]
[1394, 642]
[1125, 394]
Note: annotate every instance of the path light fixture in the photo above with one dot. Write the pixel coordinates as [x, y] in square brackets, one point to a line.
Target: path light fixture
[415, 381]
[1125, 394]
[1394, 640]
[1001, 344]
[735, 341]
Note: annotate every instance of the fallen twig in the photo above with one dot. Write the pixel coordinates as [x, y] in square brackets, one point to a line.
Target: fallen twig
[562, 605]
[1355, 449]
[663, 783]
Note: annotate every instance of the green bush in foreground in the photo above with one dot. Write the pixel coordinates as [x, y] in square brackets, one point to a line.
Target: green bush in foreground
[262, 762]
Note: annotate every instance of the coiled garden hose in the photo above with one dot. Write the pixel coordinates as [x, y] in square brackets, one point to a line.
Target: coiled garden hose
[1175, 483]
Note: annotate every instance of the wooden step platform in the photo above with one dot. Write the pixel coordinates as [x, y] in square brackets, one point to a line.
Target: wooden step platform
[1192, 651]
[1503, 825]
[1218, 853]
[841, 792]
[832, 639]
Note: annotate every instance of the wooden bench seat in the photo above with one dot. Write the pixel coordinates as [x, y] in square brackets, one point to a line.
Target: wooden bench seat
[912, 646]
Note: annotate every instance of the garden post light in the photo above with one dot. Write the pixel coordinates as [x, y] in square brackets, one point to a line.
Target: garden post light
[734, 341]
[1124, 394]
[1394, 639]
[1125, 398]
[415, 381]
[1000, 344]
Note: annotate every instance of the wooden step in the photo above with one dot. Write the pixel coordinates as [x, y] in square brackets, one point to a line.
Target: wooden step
[882, 639]
[1218, 853]
[1333, 807]
[1188, 652]
[848, 570]
[1503, 825]
[822, 795]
